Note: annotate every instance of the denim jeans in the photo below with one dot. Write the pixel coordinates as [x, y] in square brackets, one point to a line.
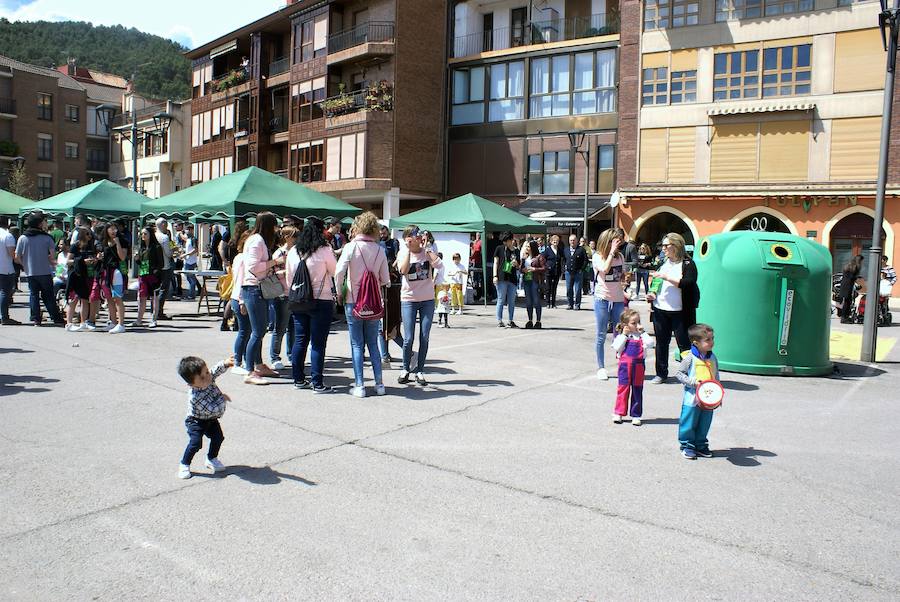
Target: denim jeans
[7, 284]
[243, 333]
[642, 276]
[165, 282]
[506, 295]
[311, 330]
[383, 344]
[532, 298]
[40, 288]
[363, 334]
[425, 311]
[605, 312]
[573, 288]
[256, 312]
[193, 283]
[282, 317]
[196, 429]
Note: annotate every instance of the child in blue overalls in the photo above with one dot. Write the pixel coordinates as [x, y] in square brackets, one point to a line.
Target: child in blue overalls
[630, 344]
[699, 364]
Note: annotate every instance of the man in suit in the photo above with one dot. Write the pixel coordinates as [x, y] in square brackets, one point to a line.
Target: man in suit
[574, 259]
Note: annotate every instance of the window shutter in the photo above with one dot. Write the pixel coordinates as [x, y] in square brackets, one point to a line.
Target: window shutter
[733, 152]
[653, 155]
[348, 156]
[361, 155]
[858, 61]
[333, 159]
[682, 144]
[854, 148]
[320, 34]
[784, 151]
[684, 60]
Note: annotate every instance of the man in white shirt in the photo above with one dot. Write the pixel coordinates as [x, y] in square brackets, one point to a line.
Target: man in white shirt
[7, 272]
[168, 272]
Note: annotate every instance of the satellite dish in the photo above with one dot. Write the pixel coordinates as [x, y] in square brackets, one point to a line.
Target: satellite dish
[542, 214]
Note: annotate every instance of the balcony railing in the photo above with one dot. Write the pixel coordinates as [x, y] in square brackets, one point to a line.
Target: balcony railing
[278, 124]
[8, 106]
[281, 172]
[123, 119]
[279, 66]
[229, 80]
[242, 128]
[373, 31]
[378, 96]
[535, 32]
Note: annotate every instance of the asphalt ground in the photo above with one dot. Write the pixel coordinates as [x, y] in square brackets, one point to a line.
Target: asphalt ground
[504, 479]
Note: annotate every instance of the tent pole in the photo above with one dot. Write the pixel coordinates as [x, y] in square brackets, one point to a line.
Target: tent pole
[484, 273]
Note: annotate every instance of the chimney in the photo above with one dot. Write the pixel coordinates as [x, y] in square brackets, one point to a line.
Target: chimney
[70, 69]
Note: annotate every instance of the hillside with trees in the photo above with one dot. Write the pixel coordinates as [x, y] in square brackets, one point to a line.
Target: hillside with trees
[115, 50]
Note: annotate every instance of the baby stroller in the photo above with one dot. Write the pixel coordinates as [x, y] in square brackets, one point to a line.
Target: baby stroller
[883, 317]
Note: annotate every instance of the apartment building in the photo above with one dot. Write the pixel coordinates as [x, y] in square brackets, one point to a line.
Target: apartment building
[42, 113]
[523, 73]
[163, 158]
[345, 96]
[753, 114]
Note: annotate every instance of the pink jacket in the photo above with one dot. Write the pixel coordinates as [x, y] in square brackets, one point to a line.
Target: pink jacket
[363, 251]
[321, 265]
[255, 257]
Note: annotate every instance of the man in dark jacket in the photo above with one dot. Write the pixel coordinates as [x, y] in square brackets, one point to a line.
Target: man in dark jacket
[554, 260]
[574, 259]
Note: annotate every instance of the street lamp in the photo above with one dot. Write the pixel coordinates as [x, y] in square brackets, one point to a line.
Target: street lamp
[889, 22]
[161, 123]
[18, 162]
[576, 137]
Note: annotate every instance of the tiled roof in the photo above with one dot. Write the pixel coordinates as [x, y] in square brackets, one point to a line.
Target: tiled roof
[102, 93]
[64, 80]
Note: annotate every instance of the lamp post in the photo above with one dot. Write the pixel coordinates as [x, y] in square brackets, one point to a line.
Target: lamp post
[161, 123]
[576, 137]
[889, 22]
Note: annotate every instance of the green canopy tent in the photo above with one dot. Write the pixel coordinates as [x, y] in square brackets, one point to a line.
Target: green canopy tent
[103, 200]
[469, 213]
[11, 203]
[244, 194]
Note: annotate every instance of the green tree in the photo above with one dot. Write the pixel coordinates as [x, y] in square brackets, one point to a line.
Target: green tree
[20, 182]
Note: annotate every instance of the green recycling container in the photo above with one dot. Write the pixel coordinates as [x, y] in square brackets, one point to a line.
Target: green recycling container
[768, 297]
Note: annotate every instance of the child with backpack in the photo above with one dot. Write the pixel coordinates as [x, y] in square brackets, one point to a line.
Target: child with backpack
[362, 271]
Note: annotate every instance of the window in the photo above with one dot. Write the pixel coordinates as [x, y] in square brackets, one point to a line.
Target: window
[518, 34]
[468, 96]
[70, 185]
[310, 39]
[656, 14]
[45, 106]
[727, 10]
[654, 90]
[684, 87]
[97, 159]
[507, 92]
[685, 12]
[595, 83]
[346, 157]
[307, 161]
[549, 173]
[71, 150]
[606, 166]
[44, 186]
[45, 147]
[72, 113]
[785, 7]
[736, 75]
[786, 71]
[487, 28]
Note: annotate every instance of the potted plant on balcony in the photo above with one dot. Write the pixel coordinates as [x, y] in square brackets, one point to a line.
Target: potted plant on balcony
[338, 105]
[380, 96]
[235, 77]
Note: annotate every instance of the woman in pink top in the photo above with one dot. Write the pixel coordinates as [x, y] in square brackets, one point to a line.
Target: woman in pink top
[415, 263]
[257, 251]
[311, 328]
[609, 296]
[361, 254]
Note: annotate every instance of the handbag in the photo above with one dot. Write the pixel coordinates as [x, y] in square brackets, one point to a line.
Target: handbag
[270, 287]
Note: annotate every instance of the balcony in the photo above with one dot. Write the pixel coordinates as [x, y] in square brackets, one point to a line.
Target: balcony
[279, 66]
[124, 119]
[99, 166]
[8, 106]
[278, 124]
[233, 78]
[535, 32]
[356, 106]
[375, 38]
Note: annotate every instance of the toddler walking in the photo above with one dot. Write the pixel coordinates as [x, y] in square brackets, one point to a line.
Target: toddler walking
[698, 365]
[443, 309]
[457, 274]
[206, 404]
[630, 345]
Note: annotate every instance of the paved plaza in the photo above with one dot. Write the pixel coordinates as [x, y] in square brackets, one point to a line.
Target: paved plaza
[504, 479]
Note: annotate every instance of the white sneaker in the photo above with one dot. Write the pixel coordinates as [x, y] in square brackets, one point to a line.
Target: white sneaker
[636, 421]
[109, 326]
[151, 324]
[358, 391]
[277, 365]
[379, 390]
[214, 465]
[602, 375]
[117, 329]
[184, 471]
[617, 419]
[89, 326]
[239, 371]
[75, 327]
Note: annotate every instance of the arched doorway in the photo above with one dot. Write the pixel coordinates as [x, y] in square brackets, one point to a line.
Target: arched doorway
[654, 228]
[761, 222]
[851, 236]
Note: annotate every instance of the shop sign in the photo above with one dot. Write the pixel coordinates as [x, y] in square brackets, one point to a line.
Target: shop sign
[807, 202]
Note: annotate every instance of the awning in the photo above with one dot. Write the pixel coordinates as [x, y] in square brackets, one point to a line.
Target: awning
[550, 209]
[759, 107]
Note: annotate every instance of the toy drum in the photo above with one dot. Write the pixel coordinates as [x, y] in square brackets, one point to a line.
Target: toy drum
[709, 394]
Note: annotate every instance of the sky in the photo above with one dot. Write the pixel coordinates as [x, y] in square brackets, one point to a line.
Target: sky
[192, 25]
